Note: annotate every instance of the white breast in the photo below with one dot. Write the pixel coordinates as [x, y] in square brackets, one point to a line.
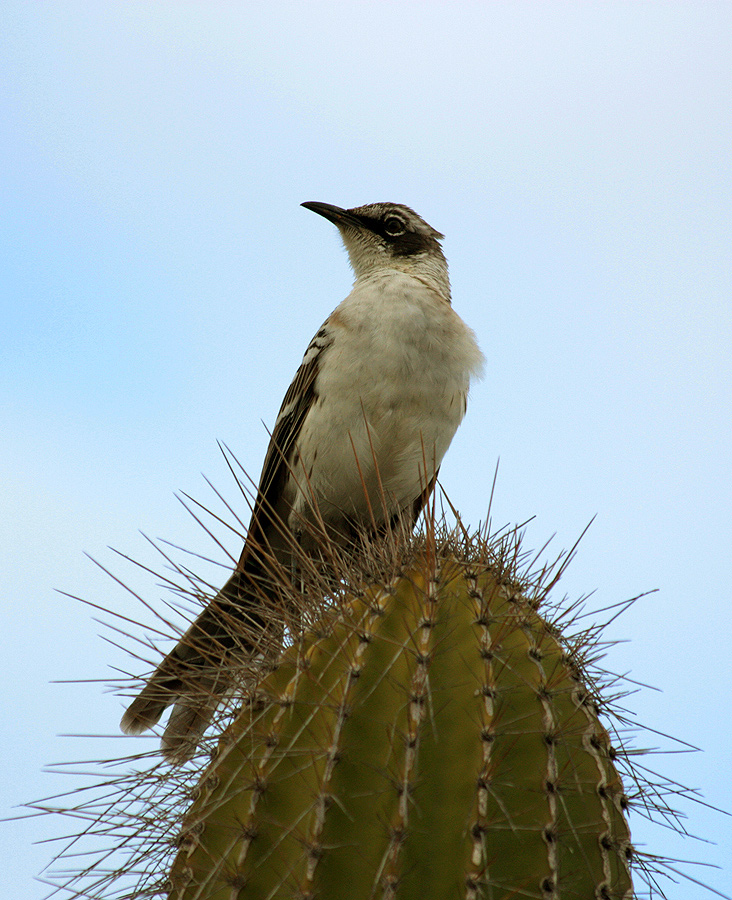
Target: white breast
[392, 390]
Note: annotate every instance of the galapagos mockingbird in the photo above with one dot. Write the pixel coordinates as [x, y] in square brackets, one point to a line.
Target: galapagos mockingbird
[358, 441]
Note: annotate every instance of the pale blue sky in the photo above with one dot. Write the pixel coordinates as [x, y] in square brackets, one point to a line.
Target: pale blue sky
[159, 283]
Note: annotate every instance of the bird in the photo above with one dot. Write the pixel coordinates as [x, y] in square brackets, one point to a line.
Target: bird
[357, 443]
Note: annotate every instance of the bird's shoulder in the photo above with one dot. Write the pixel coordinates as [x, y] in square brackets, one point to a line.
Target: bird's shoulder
[300, 391]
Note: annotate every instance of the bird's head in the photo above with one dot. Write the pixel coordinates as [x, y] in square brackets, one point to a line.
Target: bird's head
[384, 236]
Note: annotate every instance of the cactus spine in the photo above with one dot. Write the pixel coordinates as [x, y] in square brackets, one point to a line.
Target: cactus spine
[432, 740]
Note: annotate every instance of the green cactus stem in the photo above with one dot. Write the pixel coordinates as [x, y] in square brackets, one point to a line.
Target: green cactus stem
[433, 739]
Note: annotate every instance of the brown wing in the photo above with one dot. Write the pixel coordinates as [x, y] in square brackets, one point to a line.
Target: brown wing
[192, 675]
[298, 400]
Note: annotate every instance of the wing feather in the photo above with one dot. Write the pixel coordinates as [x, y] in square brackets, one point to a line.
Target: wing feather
[299, 399]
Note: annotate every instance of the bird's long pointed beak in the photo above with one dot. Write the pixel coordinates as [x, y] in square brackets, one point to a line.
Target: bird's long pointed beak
[334, 214]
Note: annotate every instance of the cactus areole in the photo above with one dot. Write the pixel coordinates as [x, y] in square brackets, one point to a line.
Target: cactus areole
[433, 740]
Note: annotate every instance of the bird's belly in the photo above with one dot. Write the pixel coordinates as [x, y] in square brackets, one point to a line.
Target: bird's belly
[364, 457]
[390, 395]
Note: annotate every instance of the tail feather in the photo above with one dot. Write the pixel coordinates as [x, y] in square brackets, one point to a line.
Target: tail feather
[206, 663]
[186, 726]
[170, 680]
[142, 713]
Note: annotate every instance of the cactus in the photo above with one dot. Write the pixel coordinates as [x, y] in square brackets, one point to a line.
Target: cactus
[430, 732]
[432, 738]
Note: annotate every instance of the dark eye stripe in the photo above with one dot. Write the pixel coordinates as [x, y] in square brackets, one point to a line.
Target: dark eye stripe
[405, 243]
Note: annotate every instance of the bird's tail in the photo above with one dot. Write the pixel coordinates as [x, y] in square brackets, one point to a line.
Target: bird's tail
[191, 715]
[207, 663]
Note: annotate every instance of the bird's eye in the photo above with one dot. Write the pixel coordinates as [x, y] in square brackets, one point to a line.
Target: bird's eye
[394, 226]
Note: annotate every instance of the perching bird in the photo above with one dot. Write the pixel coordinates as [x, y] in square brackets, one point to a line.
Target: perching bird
[358, 442]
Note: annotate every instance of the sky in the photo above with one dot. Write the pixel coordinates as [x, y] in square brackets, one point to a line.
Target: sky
[159, 283]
